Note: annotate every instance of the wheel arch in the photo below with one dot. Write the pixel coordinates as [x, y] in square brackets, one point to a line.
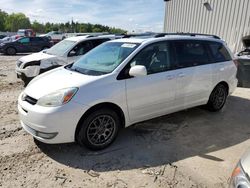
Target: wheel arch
[225, 84]
[109, 105]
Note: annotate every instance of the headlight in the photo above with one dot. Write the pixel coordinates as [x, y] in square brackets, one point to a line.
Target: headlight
[239, 178]
[57, 98]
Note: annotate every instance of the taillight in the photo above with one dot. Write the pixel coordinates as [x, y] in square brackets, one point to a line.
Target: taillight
[236, 63]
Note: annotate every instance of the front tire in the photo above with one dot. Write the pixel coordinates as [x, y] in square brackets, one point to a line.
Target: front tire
[10, 51]
[217, 98]
[99, 129]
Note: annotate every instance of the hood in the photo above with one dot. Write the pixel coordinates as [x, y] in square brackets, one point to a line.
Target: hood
[6, 42]
[57, 79]
[245, 162]
[36, 57]
[246, 41]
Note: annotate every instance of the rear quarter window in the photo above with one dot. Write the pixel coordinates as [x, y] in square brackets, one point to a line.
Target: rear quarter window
[219, 52]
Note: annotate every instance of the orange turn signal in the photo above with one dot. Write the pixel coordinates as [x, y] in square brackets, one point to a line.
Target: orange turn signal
[68, 97]
[236, 172]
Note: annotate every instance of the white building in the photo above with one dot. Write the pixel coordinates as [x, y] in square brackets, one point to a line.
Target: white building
[229, 19]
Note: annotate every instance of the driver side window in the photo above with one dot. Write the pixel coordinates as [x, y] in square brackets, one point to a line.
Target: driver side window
[155, 57]
[80, 49]
[24, 40]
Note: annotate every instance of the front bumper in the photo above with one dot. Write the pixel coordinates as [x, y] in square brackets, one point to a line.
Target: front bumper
[51, 125]
[24, 78]
[239, 178]
[29, 72]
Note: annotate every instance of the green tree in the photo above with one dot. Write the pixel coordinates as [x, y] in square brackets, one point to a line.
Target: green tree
[3, 16]
[48, 27]
[17, 21]
[117, 30]
[37, 27]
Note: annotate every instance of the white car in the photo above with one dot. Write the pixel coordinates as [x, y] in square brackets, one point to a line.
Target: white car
[125, 81]
[55, 36]
[64, 52]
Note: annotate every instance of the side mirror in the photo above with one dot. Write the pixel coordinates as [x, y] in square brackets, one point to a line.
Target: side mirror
[72, 53]
[138, 70]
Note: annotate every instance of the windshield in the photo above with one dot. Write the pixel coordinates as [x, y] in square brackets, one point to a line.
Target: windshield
[60, 48]
[104, 58]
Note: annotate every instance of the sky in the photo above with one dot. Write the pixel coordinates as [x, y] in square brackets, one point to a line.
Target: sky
[131, 15]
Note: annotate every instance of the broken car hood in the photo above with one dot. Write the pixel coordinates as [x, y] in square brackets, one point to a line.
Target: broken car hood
[36, 57]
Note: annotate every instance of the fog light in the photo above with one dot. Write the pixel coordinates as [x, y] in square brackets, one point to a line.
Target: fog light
[46, 135]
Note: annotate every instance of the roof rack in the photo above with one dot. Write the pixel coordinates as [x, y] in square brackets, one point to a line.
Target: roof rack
[186, 34]
[139, 35]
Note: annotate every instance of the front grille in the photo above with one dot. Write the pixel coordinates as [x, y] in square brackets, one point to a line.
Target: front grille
[30, 100]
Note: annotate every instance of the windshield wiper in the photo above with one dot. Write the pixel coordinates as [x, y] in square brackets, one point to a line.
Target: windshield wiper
[75, 69]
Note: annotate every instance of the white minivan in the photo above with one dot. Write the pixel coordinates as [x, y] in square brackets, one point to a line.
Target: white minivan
[125, 81]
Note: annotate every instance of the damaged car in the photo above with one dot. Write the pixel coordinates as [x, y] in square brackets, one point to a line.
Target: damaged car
[64, 52]
[243, 58]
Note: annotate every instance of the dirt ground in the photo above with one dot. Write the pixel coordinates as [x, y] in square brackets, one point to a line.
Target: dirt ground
[192, 148]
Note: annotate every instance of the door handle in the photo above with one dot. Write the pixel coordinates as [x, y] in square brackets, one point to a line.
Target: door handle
[170, 77]
[181, 75]
[222, 69]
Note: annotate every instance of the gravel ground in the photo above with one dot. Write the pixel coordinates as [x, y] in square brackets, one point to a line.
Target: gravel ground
[192, 148]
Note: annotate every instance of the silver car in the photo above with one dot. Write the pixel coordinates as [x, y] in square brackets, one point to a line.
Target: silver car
[240, 176]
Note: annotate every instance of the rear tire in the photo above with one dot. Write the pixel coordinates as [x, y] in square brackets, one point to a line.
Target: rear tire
[99, 129]
[217, 98]
[10, 51]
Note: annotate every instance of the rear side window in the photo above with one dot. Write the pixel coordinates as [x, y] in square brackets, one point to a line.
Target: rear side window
[219, 52]
[190, 53]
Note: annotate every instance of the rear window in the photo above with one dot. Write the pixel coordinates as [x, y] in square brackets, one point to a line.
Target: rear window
[219, 52]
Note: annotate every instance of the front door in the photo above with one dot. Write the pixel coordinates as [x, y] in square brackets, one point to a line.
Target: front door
[24, 45]
[154, 94]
